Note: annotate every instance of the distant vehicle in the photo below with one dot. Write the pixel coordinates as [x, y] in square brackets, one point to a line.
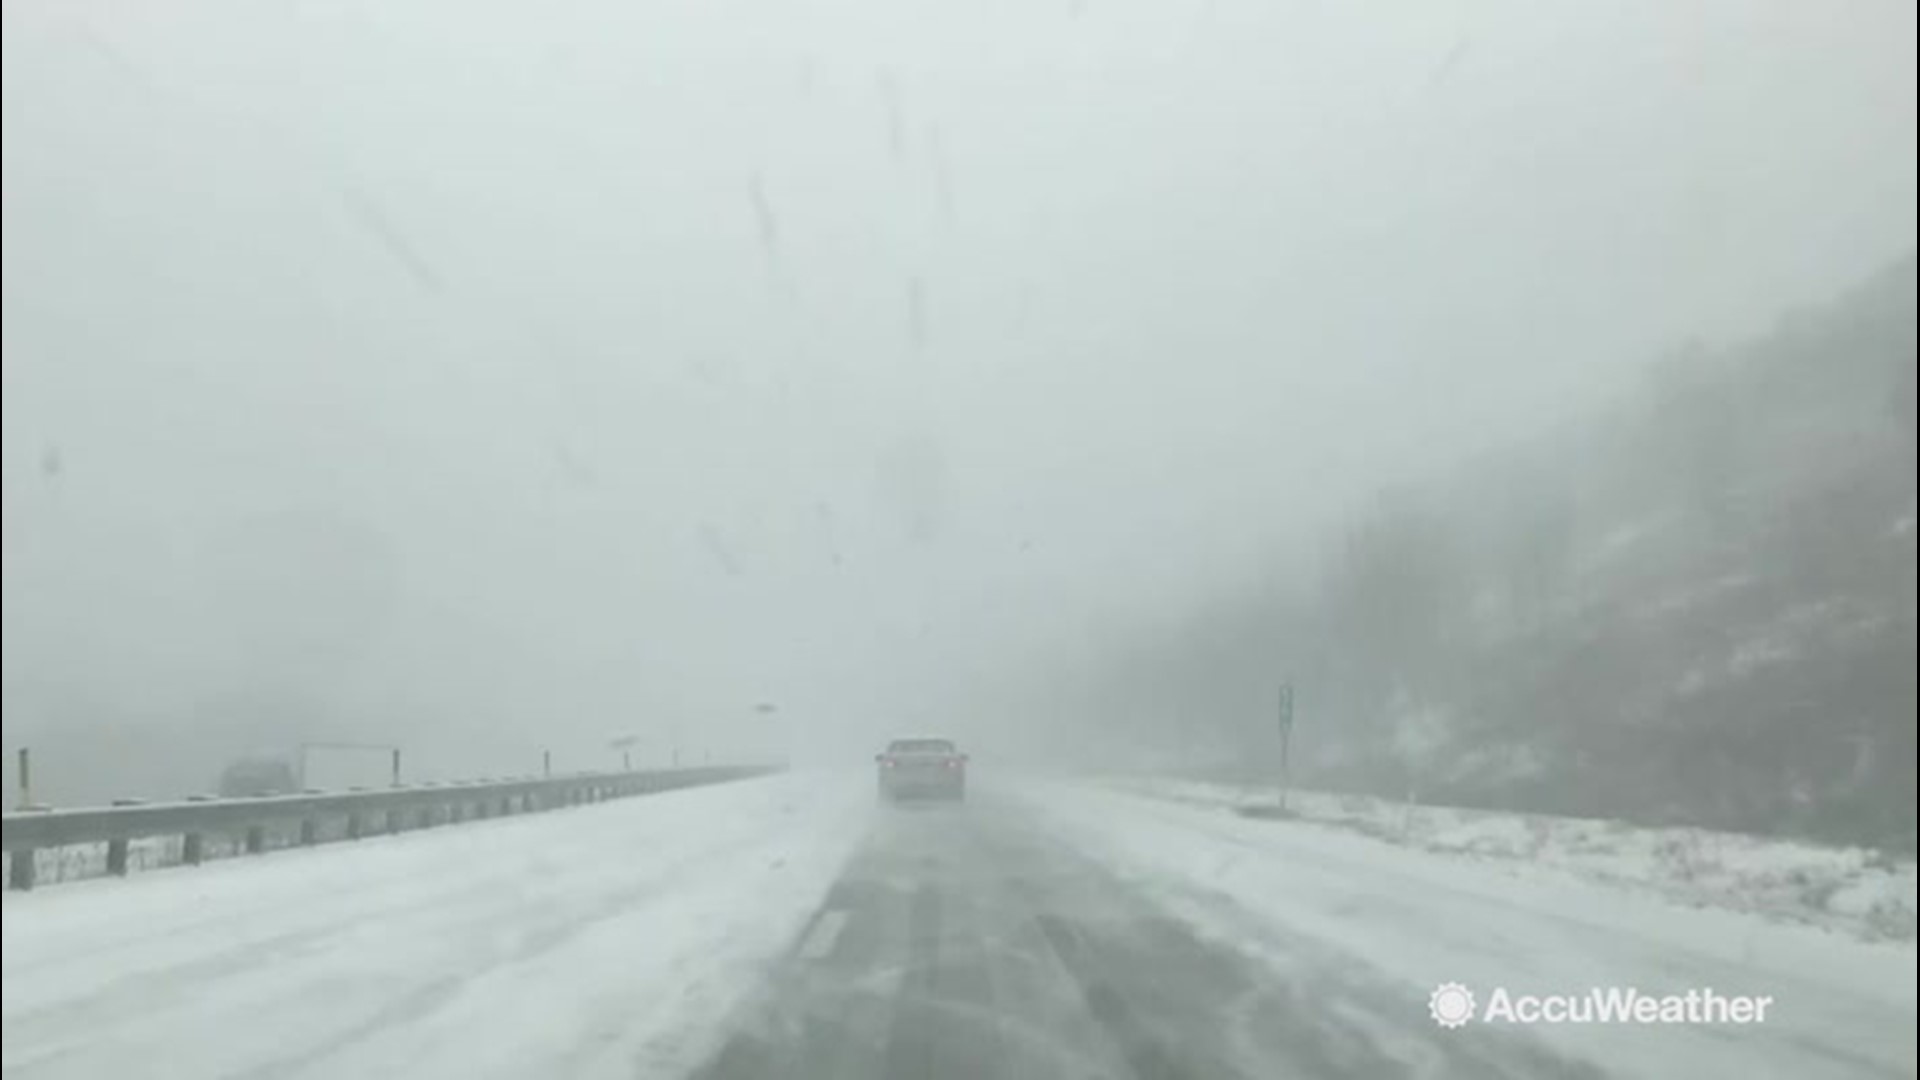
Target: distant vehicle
[926, 768]
[257, 776]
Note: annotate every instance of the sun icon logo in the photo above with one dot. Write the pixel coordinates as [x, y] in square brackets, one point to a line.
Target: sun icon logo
[1451, 1005]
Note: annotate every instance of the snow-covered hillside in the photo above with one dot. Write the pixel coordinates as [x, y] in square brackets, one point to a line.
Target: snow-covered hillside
[1695, 607]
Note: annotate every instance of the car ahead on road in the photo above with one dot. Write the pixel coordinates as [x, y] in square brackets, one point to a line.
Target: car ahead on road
[922, 768]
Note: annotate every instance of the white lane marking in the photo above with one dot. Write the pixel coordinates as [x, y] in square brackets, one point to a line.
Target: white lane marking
[824, 935]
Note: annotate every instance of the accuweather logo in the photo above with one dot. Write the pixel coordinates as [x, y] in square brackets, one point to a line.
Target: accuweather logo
[1452, 1005]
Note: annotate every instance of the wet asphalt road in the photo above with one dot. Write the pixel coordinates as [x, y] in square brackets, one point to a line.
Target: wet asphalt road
[962, 945]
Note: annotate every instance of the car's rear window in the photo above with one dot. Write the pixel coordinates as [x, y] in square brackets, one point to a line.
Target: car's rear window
[922, 746]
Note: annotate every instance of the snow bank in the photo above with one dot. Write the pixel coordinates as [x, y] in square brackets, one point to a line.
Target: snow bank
[1866, 894]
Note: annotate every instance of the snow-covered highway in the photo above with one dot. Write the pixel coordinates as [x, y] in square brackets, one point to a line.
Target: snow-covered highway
[789, 927]
[546, 945]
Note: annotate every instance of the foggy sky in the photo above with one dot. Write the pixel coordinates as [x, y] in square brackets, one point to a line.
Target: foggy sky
[455, 368]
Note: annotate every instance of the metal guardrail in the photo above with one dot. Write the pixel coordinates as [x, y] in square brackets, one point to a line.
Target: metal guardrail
[364, 812]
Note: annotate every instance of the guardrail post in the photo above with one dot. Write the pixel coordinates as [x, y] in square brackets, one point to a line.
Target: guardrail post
[354, 826]
[117, 848]
[256, 839]
[21, 874]
[192, 848]
[309, 832]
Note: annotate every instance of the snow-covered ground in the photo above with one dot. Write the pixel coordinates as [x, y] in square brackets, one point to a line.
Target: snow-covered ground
[603, 940]
[618, 939]
[1864, 893]
[1294, 891]
[78, 862]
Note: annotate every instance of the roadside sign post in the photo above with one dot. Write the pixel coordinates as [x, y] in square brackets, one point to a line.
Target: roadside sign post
[1286, 740]
[625, 744]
